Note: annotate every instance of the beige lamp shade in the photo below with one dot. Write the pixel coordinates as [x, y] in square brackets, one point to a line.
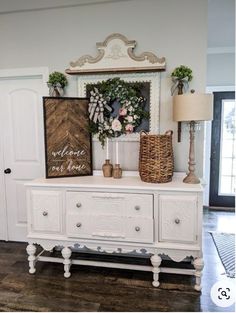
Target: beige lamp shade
[193, 107]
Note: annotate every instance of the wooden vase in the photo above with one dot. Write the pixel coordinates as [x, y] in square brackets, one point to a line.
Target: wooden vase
[117, 171]
[180, 87]
[55, 91]
[107, 168]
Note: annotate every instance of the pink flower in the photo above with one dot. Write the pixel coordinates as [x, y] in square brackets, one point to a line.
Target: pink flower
[129, 128]
[122, 112]
[116, 125]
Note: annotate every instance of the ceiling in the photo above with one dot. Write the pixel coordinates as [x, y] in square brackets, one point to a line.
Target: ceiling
[221, 15]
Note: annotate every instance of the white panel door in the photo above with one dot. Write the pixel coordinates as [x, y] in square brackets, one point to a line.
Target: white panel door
[23, 145]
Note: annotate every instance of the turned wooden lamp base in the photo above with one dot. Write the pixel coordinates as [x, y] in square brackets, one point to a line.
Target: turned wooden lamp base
[191, 108]
[191, 178]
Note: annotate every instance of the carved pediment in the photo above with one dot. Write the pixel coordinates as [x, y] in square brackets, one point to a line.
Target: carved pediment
[116, 54]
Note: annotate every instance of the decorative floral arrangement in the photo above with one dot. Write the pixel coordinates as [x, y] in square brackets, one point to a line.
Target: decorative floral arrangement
[56, 83]
[181, 76]
[56, 78]
[130, 114]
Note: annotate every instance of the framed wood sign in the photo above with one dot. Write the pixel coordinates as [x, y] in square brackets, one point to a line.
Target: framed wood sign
[68, 150]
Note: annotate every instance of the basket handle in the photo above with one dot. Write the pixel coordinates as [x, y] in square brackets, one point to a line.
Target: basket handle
[169, 132]
[143, 132]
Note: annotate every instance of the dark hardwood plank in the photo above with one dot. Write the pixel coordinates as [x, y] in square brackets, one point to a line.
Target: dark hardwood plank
[105, 289]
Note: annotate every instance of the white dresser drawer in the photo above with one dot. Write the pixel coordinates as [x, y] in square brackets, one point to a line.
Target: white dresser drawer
[46, 211]
[99, 203]
[115, 228]
[178, 218]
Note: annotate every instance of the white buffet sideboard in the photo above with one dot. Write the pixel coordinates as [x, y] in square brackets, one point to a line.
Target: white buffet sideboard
[116, 216]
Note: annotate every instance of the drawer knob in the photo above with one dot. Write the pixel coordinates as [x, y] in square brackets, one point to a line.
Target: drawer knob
[45, 213]
[137, 228]
[137, 207]
[78, 224]
[177, 221]
[78, 205]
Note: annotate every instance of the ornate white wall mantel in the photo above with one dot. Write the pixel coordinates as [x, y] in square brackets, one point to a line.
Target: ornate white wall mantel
[116, 54]
[116, 58]
[116, 216]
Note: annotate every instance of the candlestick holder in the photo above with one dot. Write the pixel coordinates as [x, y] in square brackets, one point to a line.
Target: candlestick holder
[107, 168]
[117, 171]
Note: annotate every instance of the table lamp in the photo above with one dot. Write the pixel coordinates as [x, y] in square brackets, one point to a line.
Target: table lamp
[190, 108]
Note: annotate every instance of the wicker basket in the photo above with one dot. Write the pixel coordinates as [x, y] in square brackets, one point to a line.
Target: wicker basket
[156, 160]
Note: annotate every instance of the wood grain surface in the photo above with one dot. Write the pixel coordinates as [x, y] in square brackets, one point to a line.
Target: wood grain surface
[105, 289]
[67, 137]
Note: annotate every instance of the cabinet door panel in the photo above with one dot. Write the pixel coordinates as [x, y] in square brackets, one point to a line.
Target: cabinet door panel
[178, 218]
[46, 211]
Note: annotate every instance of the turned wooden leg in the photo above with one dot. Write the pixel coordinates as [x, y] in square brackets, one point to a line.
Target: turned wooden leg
[66, 253]
[31, 249]
[198, 264]
[156, 261]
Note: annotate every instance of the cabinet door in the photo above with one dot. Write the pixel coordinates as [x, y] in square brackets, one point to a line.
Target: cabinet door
[45, 211]
[178, 218]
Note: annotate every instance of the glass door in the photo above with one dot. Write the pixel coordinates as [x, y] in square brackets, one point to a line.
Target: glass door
[223, 166]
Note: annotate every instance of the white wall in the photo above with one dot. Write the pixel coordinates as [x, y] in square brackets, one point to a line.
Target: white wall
[176, 30]
[221, 69]
[27, 5]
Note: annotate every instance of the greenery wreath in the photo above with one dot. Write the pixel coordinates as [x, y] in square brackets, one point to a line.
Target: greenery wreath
[103, 122]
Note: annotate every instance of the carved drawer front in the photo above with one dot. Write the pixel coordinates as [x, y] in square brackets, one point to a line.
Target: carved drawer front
[115, 228]
[46, 211]
[178, 218]
[99, 203]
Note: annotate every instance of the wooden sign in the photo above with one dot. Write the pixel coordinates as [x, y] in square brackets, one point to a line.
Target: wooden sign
[68, 150]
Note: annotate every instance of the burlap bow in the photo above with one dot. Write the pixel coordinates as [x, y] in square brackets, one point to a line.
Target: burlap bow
[176, 81]
[55, 90]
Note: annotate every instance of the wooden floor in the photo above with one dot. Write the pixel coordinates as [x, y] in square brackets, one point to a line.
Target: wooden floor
[101, 289]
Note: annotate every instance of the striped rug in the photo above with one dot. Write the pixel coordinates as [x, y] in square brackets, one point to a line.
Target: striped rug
[225, 245]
